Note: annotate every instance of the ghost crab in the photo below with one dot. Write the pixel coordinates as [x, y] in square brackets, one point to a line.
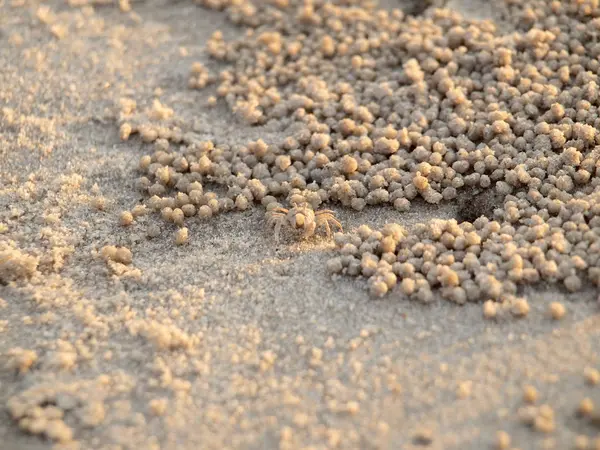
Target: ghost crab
[302, 217]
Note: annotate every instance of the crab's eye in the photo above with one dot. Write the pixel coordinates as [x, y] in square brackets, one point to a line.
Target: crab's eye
[299, 219]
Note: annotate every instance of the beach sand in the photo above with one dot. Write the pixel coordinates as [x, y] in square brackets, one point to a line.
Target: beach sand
[232, 340]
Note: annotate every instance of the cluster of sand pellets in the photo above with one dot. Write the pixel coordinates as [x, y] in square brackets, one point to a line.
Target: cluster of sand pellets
[382, 109]
[542, 418]
[43, 409]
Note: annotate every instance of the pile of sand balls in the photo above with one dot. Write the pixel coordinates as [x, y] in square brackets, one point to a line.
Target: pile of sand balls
[382, 108]
[43, 409]
[483, 260]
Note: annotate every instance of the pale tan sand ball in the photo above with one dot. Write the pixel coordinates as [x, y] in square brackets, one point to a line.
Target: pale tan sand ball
[153, 231]
[99, 203]
[139, 210]
[123, 255]
[591, 375]
[177, 216]
[585, 408]
[125, 131]
[108, 252]
[557, 310]
[581, 442]
[126, 218]
[530, 394]
[241, 203]
[205, 211]
[378, 288]
[503, 440]
[490, 309]
[520, 307]
[181, 236]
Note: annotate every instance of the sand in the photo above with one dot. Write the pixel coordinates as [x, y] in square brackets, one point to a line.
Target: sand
[232, 340]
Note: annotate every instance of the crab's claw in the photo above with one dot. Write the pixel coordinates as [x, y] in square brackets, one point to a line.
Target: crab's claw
[299, 219]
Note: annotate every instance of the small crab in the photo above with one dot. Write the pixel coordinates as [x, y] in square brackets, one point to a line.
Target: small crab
[302, 217]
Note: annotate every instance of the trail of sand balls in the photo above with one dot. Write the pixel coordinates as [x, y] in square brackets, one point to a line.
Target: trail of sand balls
[382, 109]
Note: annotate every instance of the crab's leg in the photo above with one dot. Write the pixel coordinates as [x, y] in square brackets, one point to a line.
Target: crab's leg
[336, 223]
[327, 228]
[324, 211]
[278, 229]
[273, 217]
